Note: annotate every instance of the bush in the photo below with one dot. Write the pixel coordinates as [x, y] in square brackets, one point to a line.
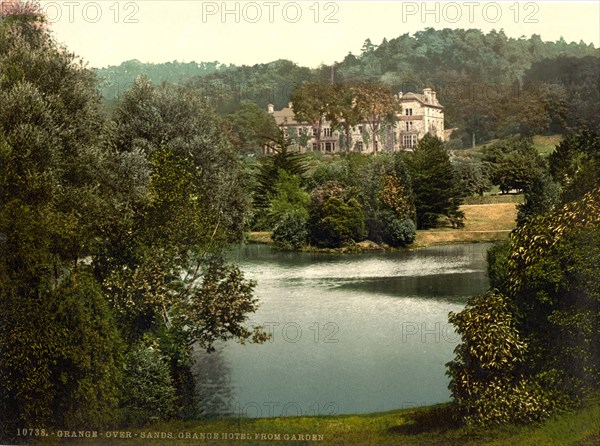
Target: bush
[550, 297]
[288, 198]
[398, 233]
[497, 264]
[501, 401]
[291, 232]
[335, 218]
[541, 196]
[486, 383]
[148, 390]
[60, 356]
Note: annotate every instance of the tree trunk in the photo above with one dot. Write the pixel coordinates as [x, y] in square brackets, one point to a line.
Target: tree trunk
[347, 127]
[319, 125]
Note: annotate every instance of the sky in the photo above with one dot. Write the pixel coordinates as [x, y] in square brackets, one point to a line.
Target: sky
[310, 33]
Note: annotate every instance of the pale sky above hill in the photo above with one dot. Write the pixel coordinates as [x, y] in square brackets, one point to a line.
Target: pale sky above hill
[108, 32]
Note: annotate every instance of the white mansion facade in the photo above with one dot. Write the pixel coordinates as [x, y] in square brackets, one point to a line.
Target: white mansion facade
[420, 114]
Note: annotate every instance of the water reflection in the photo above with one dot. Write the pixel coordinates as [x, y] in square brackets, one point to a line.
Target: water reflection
[214, 374]
[351, 333]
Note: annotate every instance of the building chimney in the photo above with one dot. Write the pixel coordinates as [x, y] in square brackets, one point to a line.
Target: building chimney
[427, 94]
[270, 108]
[434, 97]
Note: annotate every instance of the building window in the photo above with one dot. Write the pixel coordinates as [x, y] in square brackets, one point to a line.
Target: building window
[360, 129]
[409, 141]
[409, 111]
[314, 146]
[328, 147]
[359, 146]
[327, 132]
[315, 131]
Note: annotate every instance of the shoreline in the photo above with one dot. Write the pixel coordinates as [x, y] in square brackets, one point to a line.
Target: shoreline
[484, 223]
[424, 239]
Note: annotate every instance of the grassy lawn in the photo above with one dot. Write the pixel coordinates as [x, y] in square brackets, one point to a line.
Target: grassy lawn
[483, 223]
[543, 144]
[425, 426]
[260, 237]
[493, 198]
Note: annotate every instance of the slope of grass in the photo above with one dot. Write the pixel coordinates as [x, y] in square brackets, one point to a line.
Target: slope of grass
[483, 223]
[425, 426]
[544, 144]
[495, 199]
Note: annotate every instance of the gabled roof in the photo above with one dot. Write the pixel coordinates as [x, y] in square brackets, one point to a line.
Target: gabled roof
[410, 96]
[285, 116]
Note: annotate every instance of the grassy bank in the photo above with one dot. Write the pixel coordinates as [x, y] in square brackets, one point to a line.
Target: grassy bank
[483, 223]
[425, 426]
[495, 199]
[544, 144]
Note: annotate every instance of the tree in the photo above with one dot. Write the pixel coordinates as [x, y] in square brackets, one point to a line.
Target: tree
[196, 204]
[377, 105]
[60, 350]
[252, 128]
[335, 218]
[311, 102]
[552, 281]
[542, 195]
[515, 164]
[486, 382]
[148, 388]
[434, 183]
[166, 276]
[291, 232]
[575, 164]
[473, 176]
[283, 161]
[530, 348]
[289, 198]
[344, 111]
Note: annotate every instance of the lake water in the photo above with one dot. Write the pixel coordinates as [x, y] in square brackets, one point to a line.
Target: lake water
[351, 333]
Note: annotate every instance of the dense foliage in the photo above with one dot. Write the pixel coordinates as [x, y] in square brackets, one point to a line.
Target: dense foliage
[514, 163]
[112, 230]
[575, 164]
[335, 217]
[291, 231]
[110, 234]
[530, 348]
[60, 351]
[435, 184]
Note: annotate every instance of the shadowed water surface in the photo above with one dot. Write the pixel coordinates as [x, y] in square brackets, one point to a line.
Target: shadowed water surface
[351, 333]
